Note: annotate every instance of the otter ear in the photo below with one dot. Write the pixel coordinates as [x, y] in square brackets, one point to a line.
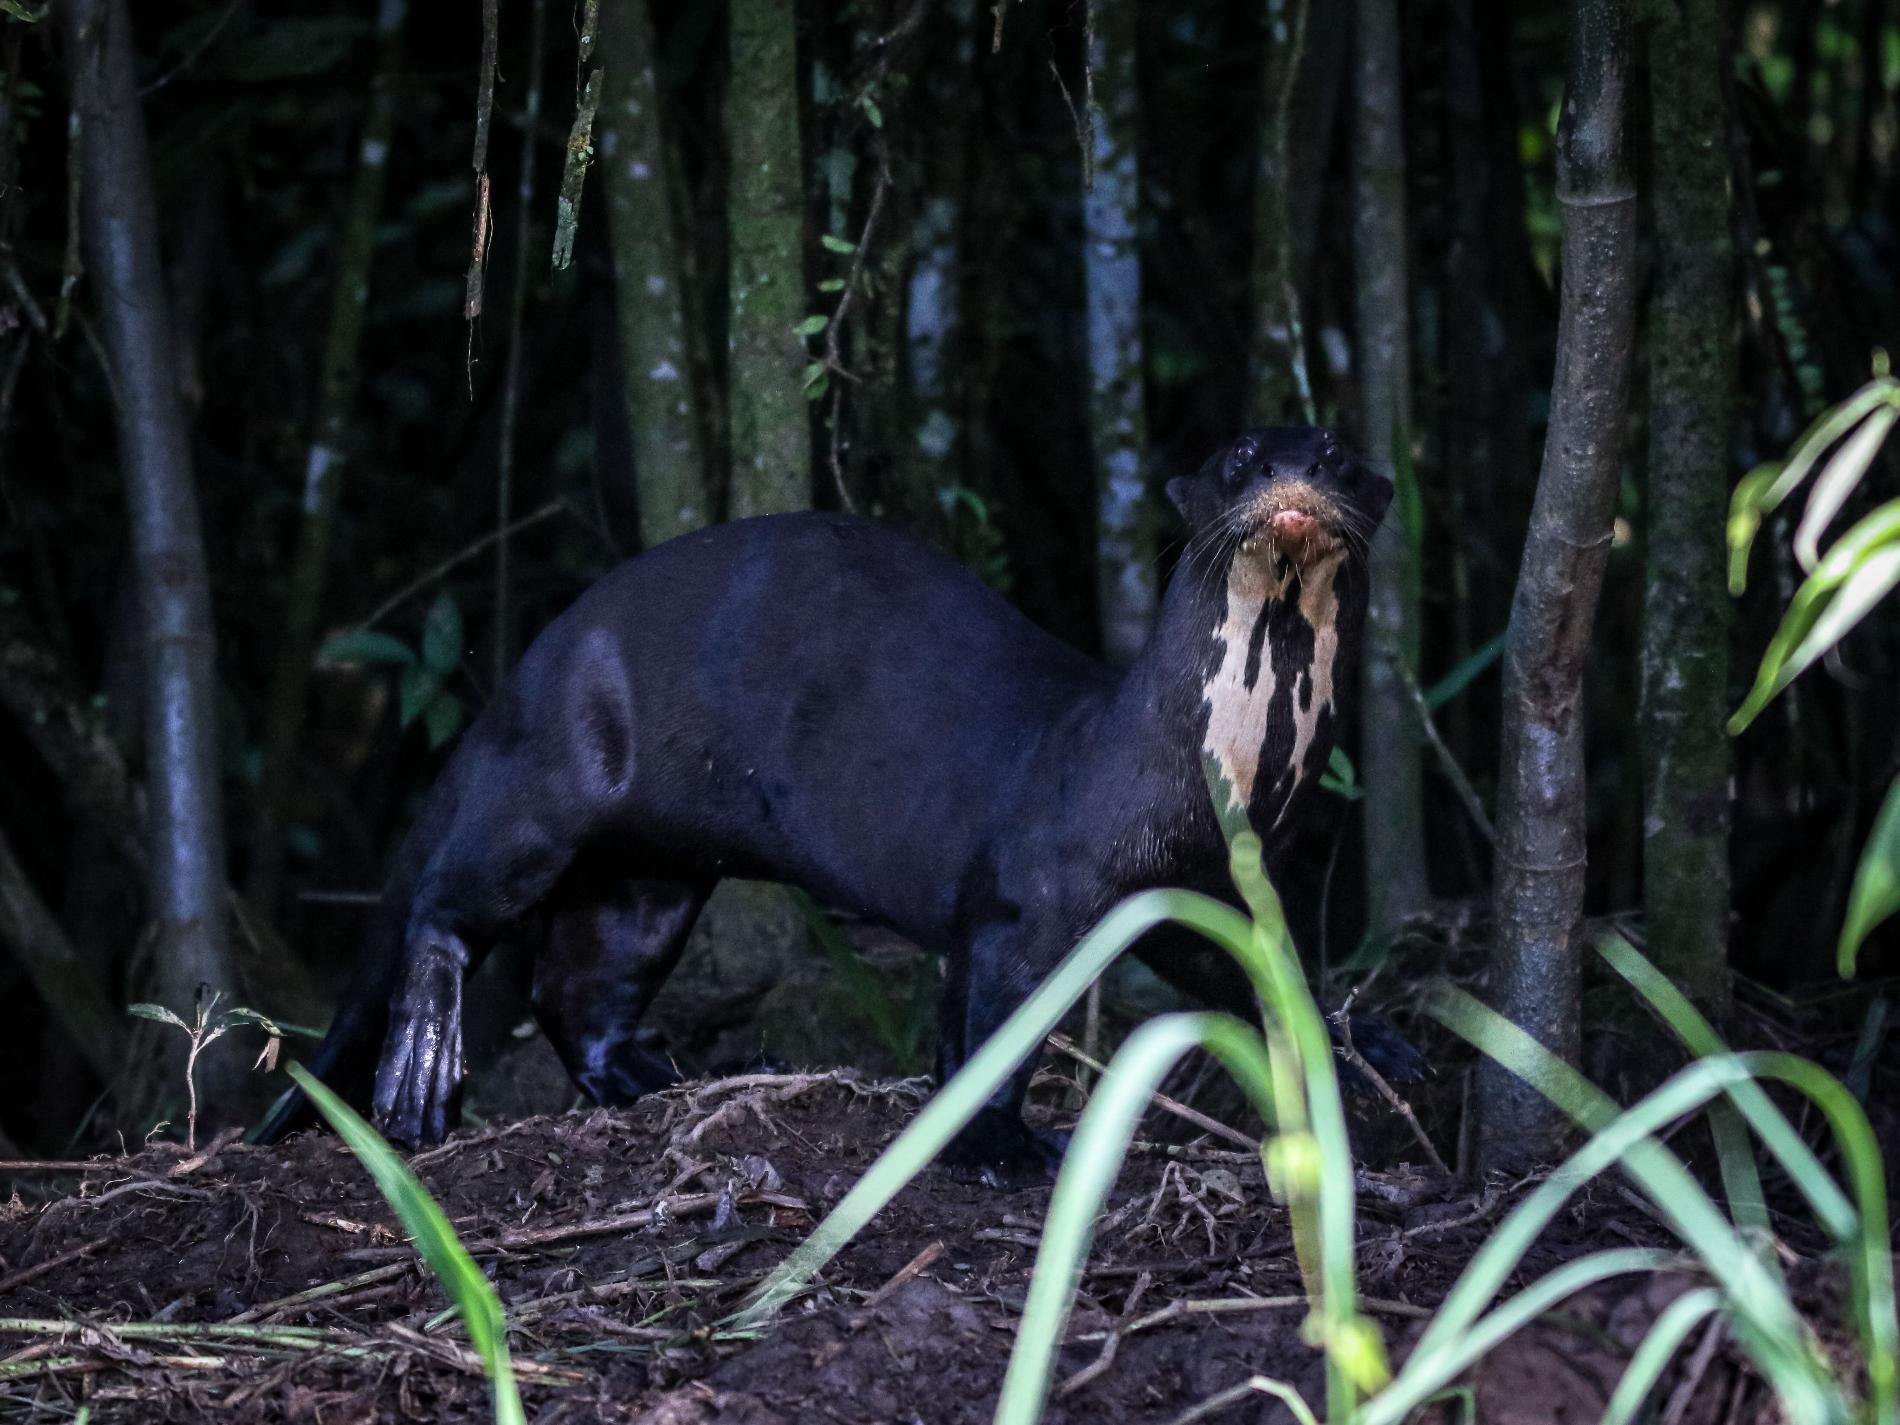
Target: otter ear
[1378, 497]
[1178, 495]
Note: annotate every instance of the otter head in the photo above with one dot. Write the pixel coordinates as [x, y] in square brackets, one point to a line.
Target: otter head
[1286, 495]
[1281, 520]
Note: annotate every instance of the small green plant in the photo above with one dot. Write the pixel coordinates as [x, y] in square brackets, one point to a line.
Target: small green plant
[975, 535]
[1286, 1068]
[422, 692]
[471, 1292]
[1288, 1072]
[207, 1027]
[1843, 585]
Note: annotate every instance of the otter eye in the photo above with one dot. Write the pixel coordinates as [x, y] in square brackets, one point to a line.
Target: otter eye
[1330, 455]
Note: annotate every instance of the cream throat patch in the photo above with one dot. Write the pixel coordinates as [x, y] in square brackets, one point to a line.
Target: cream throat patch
[1240, 692]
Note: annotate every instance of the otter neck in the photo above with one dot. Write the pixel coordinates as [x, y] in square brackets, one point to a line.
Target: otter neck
[1251, 660]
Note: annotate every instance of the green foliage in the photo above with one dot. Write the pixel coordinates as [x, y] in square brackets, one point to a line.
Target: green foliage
[1286, 1069]
[1876, 892]
[979, 541]
[19, 11]
[1341, 778]
[1471, 667]
[1843, 584]
[421, 691]
[435, 1239]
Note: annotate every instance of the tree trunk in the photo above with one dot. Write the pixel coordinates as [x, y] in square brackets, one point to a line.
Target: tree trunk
[771, 429]
[1692, 377]
[1118, 427]
[1389, 745]
[502, 654]
[1540, 826]
[325, 465]
[187, 901]
[1282, 385]
[934, 297]
[669, 468]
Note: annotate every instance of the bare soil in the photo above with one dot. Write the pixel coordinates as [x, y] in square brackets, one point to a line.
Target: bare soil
[618, 1241]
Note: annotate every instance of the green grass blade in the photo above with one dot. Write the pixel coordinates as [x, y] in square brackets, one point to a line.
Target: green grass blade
[473, 1294]
[866, 990]
[1860, 1225]
[1665, 1337]
[1766, 1321]
[1449, 1357]
[958, 1101]
[1870, 1259]
[1088, 1173]
[1876, 893]
[1777, 1134]
[1472, 666]
[1734, 1155]
[1283, 989]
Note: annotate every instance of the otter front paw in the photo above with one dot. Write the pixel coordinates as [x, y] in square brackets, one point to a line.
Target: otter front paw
[419, 1081]
[1390, 1054]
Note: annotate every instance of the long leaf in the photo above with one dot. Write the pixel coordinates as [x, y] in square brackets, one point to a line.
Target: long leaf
[1819, 438]
[1843, 562]
[1846, 469]
[1765, 487]
[1830, 1204]
[1452, 1355]
[1766, 1321]
[473, 1294]
[957, 1102]
[1666, 1335]
[1876, 892]
[1471, 667]
[1088, 1173]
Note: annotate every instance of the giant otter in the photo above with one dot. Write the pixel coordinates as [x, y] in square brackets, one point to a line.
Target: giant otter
[817, 699]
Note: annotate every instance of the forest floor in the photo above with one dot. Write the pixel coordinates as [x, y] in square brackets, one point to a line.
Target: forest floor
[619, 1240]
[145, 1287]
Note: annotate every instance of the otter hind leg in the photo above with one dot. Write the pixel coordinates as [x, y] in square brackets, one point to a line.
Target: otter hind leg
[610, 946]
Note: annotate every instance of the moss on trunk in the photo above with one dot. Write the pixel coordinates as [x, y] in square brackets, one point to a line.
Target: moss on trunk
[1685, 603]
[771, 428]
[669, 468]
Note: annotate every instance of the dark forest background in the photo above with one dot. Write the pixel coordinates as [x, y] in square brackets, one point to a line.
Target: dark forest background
[951, 185]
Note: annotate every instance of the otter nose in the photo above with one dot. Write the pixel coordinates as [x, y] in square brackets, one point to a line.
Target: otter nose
[1294, 531]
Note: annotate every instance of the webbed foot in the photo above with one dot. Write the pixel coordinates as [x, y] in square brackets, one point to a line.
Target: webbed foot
[419, 1081]
[1390, 1054]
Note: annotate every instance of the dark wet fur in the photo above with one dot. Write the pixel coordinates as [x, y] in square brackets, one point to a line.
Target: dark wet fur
[817, 699]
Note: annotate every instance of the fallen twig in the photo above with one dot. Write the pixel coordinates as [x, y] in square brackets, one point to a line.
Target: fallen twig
[26, 1274]
[912, 1269]
[1385, 1091]
[1063, 1044]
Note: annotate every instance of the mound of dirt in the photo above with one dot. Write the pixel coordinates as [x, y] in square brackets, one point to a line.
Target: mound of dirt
[245, 1284]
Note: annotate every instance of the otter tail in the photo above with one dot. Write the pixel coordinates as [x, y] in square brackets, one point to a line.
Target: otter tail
[346, 1060]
